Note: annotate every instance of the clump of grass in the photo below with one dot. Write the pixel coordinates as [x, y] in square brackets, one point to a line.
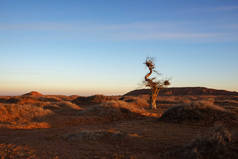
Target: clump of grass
[199, 111]
[215, 144]
[114, 110]
[13, 151]
[64, 108]
[141, 101]
[108, 134]
[69, 105]
[129, 107]
[94, 135]
[95, 99]
[13, 115]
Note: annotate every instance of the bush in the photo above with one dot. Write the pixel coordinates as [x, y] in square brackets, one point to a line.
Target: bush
[19, 115]
[214, 145]
[200, 111]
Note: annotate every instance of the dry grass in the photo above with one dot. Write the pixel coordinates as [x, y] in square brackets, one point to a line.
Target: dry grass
[98, 135]
[132, 107]
[114, 110]
[141, 101]
[173, 100]
[23, 116]
[215, 144]
[109, 111]
[34, 110]
[11, 151]
[63, 108]
[200, 111]
[95, 99]
[67, 104]
[228, 103]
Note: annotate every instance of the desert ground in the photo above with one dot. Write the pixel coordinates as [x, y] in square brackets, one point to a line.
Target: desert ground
[189, 123]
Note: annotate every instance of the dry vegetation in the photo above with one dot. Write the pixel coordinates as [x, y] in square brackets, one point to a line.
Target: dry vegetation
[119, 127]
[217, 144]
[23, 116]
[203, 111]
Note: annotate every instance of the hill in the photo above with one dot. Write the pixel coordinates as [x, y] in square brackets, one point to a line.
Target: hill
[33, 93]
[174, 91]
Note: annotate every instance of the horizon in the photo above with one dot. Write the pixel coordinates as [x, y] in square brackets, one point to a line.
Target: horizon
[82, 48]
[113, 94]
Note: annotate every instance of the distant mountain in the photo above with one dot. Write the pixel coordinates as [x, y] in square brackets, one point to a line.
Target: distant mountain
[183, 91]
[33, 93]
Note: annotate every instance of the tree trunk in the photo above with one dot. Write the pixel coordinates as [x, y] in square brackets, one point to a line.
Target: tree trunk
[153, 102]
[154, 96]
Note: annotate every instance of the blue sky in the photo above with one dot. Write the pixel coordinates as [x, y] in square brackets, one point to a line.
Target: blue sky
[98, 47]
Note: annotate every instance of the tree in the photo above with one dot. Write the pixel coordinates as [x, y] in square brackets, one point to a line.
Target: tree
[154, 84]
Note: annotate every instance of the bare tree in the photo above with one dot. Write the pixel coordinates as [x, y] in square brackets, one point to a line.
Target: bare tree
[154, 84]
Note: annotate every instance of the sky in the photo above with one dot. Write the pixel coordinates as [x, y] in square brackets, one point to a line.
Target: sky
[99, 46]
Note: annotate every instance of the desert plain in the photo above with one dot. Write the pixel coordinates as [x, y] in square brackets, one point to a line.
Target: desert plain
[190, 122]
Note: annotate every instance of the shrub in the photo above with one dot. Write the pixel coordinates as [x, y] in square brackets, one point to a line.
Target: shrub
[18, 115]
[216, 144]
[200, 111]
